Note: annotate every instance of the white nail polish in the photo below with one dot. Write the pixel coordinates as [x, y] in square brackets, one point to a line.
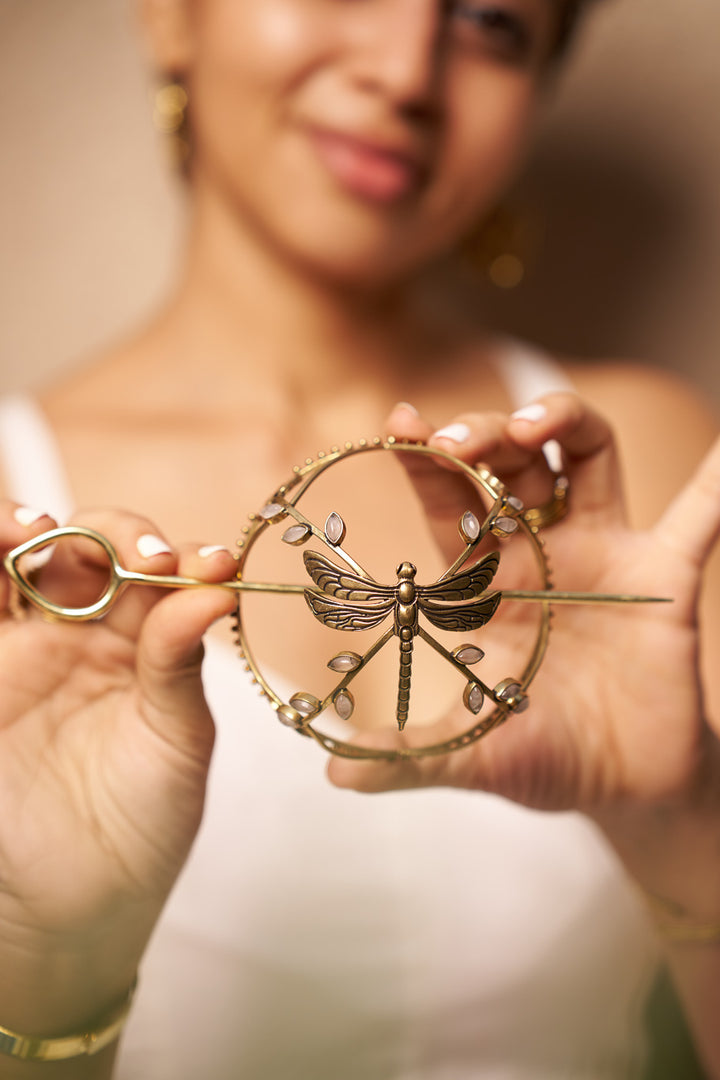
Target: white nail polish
[407, 407]
[532, 413]
[149, 545]
[211, 549]
[457, 433]
[28, 515]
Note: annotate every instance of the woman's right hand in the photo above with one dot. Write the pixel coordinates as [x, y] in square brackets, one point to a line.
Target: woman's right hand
[105, 743]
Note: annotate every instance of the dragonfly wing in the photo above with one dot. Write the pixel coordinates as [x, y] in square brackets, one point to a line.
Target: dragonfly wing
[461, 616]
[343, 616]
[342, 584]
[466, 584]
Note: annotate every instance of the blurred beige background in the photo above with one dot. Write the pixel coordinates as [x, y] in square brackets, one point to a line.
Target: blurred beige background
[623, 190]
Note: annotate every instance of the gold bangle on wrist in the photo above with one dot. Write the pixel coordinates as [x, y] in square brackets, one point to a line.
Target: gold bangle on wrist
[98, 1034]
[674, 924]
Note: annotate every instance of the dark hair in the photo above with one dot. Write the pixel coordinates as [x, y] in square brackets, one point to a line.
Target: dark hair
[568, 18]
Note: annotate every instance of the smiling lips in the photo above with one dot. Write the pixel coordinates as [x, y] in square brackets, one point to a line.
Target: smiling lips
[368, 169]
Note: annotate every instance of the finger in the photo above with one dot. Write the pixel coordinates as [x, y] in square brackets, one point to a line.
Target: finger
[444, 493]
[472, 438]
[484, 438]
[588, 449]
[206, 562]
[691, 523]
[79, 570]
[170, 651]
[372, 776]
[18, 524]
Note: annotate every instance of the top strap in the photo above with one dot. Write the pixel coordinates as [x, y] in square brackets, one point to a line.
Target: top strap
[528, 372]
[30, 459]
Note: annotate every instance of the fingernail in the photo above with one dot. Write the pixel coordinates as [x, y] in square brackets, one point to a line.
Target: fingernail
[407, 407]
[149, 545]
[454, 432]
[28, 515]
[211, 549]
[531, 413]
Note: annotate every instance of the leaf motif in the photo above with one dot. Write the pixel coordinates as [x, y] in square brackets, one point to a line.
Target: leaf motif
[272, 512]
[504, 526]
[473, 698]
[304, 703]
[297, 534]
[344, 704]
[468, 654]
[344, 662]
[469, 527]
[335, 529]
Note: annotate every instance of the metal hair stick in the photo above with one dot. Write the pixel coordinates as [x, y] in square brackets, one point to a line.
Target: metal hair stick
[343, 596]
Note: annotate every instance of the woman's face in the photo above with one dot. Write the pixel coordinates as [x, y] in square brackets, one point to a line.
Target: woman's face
[358, 137]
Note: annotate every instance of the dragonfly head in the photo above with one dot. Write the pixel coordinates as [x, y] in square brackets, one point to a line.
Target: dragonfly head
[406, 571]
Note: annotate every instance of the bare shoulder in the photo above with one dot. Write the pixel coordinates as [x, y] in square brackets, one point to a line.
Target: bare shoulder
[624, 388]
[663, 424]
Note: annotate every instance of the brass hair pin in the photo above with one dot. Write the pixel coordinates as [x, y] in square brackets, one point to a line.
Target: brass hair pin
[345, 597]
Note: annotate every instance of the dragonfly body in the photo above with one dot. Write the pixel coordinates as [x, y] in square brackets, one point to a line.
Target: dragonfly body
[406, 627]
[346, 601]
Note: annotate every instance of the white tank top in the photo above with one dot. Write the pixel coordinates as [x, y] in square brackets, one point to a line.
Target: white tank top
[318, 934]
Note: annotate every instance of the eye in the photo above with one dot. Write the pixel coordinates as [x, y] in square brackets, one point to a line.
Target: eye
[492, 26]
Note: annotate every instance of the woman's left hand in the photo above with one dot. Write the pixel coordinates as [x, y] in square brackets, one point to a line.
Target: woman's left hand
[616, 716]
[617, 725]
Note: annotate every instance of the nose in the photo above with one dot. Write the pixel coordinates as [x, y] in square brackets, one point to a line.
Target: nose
[397, 50]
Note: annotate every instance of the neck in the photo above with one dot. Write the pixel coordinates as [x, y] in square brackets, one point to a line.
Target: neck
[239, 300]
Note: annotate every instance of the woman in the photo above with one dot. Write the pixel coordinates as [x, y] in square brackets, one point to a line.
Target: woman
[340, 155]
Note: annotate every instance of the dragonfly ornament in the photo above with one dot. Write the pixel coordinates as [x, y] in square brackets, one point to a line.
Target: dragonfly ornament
[346, 601]
[347, 598]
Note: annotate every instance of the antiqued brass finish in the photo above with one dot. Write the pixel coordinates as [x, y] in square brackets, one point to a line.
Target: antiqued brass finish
[345, 597]
[118, 578]
[348, 598]
[554, 510]
[438, 603]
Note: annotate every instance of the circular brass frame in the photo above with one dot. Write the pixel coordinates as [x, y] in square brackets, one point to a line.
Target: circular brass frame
[288, 495]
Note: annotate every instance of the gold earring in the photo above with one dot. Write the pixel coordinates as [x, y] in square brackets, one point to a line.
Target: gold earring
[171, 120]
[503, 245]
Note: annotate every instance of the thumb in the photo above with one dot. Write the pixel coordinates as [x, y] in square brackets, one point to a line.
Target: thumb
[691, 522]
[401, 773]
[169, 663]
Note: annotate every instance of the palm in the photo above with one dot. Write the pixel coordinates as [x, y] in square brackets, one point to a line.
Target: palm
[616, 709]
[608, 706]
[83, 770]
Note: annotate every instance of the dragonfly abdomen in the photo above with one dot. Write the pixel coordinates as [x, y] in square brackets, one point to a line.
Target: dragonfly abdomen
[406, 636]
[406, 623]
